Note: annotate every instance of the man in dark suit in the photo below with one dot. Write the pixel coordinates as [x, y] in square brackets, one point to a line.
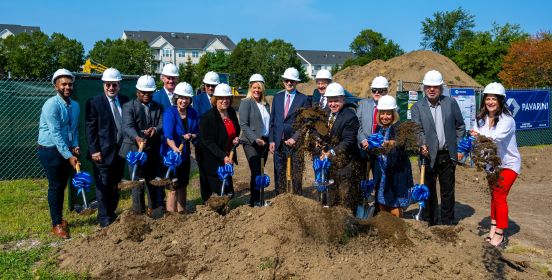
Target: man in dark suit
[343, 125]
[442, 129]
[169, 76]
[202, 102]
[143, 123]
[104, 133]
[282, 136]
[323, 79]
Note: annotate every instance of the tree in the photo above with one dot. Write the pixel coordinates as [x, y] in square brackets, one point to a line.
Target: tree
[67, 53]
[447, 31]
[240, 64]
[211, 61]
[335, 69]
[481, 56]
[528, 63]
[128, 56]
[370, 45]
[187, 71]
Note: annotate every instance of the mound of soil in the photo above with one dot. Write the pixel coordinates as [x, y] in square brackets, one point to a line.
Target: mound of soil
[409, 67]
[294, 238]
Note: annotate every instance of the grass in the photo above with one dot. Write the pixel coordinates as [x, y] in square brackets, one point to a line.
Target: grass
[524, 250]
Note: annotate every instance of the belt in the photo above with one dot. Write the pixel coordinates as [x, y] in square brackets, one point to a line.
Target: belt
[46, 148]
[442, 151]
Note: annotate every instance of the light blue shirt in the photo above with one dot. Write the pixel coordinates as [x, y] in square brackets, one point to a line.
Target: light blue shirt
[58, 125]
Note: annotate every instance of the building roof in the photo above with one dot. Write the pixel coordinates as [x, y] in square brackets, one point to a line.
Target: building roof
[324, 57]
[16, 29]
[181, 40]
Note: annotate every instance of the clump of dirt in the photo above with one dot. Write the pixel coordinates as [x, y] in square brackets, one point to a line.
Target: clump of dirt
[485, 157]
[407, 136]
[409, 67]
[390, 227]
[447, 233]
[219, 204]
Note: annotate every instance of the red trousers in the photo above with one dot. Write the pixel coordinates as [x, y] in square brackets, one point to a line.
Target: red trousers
[499, 205]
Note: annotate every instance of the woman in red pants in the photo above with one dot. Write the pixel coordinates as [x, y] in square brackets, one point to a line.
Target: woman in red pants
[496, 122]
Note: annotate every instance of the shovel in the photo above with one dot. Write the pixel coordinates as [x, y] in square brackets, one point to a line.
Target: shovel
[228, 168]
[289, 183]
[420, 192]
[171, 160]
[82, 182]
[262, 181]
[218, 203]
[321, 183]
[134, 158]
[366, 187]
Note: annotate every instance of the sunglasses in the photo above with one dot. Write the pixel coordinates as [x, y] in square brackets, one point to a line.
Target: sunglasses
[289, 81]
[374, 90]
[111, 85]
[210, 86]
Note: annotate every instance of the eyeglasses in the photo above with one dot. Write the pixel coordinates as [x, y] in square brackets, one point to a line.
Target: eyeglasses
[380, 90]
[289, 81]
[111, 85]
[210, 86]
[145, 92]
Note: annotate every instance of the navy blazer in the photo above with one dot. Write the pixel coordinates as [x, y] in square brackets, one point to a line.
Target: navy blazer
[201, 103]
[173, 128]
[161, 97]
[101, 130]
[280, 126]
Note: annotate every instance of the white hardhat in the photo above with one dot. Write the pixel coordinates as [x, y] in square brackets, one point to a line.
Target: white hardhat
[495, 88]
[60, 73]
[256, 78]
[145, 83]
[334, 89]
[170, 70]
[380, 82]
[433, 78]
[223, 90]
[184, 89]
[111, 75]
[291, 74]
[387, 102]
[323, 74]
[211, 78]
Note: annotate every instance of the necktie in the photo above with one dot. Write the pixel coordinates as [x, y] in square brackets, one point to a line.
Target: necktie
[117, 118]
[286, 106]
[374, 120]
[331, 121]
[322, 102]
[147, 111]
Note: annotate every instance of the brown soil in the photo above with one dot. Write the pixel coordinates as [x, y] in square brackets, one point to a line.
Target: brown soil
[409, 67]
[296, 238]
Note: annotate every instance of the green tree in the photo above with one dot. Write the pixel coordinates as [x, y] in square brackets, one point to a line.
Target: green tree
[240, 64]
[335, 69]
[446, 32]
[482, 56]
[186, 71]
[3, 58]
[67, 53]
[211, 61]
[371, 45]
[128, 56]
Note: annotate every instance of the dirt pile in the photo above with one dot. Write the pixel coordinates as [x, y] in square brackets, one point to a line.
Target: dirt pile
[409, 67]
[293, 238]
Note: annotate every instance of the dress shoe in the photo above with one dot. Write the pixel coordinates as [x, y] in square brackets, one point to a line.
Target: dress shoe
[60, 231]
[65, 224]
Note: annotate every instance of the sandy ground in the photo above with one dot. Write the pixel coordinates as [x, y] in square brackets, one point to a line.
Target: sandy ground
[296, 238]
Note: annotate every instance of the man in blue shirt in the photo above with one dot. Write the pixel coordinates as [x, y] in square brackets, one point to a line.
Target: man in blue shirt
[58, 145]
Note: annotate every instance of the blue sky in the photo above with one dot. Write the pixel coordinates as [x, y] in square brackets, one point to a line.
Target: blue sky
[307, 24]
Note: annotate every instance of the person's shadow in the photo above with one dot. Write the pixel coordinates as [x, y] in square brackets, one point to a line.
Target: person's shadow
[485, 224]
[461, 211]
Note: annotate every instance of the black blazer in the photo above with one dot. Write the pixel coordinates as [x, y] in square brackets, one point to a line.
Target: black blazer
[345, 129]
[101, 130]
[213, 139]
[135, 120]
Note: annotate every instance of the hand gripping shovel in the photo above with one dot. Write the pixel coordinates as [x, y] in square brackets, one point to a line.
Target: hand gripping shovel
[321, 183]
[420, 192]
[82, 182]
[366, 187]
[172, 160]
[133, 159]
[262, 181]
[218, 203]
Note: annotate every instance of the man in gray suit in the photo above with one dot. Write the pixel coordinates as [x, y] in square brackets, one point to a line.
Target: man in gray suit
[143, 123]
[442, 129]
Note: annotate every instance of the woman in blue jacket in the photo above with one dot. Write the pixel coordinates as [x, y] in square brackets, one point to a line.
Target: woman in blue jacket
[180, 126]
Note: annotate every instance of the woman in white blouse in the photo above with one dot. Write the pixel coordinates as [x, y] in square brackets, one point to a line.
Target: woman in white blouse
[254, 115]
[496, 122]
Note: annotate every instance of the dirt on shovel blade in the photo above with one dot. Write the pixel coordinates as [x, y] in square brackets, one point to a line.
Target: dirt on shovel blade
[162, 183]
[127, 184]
[219, 204]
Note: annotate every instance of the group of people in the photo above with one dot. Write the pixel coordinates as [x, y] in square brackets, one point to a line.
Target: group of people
[173, 119]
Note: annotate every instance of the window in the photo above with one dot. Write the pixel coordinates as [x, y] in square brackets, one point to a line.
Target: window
[317, 67]
[181, 53]
[167, 52]
[195, 54]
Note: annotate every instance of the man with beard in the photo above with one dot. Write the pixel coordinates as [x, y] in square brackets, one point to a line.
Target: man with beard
[104, 132]
[58, 145]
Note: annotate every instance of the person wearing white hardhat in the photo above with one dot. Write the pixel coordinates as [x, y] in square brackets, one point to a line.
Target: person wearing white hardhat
[169, 76]
[143, 125]
[442, 129]
[180, 127]
[282, 136]
[254, 113]
[104, 135]
[496, 122]
[58, 145]
[218, 135]
[395, 172]
[323, 79]
[343, 127]
[202, 101]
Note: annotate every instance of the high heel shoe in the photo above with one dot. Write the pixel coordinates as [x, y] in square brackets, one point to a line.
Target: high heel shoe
[503, 243]
[489, 237]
